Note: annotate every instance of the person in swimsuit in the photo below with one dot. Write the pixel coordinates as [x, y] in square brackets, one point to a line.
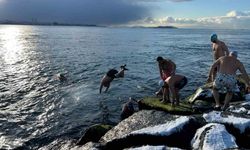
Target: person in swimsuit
[166, 68]
[107, 79]
[219, 49]
[176, 83]
[226, 78]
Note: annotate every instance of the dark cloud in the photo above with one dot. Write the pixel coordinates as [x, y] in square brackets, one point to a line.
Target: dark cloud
[102, 12]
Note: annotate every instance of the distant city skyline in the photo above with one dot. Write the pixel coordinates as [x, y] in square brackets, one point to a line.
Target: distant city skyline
[233, 14]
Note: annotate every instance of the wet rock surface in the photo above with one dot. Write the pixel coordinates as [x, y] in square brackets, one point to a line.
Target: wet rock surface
[139, 120]
[94, 133]
[180, 129]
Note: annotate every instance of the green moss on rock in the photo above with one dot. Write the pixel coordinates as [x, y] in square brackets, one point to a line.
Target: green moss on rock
[154, 103]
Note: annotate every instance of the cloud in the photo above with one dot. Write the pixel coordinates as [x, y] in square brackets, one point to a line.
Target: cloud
[103, 12]
[233, 19]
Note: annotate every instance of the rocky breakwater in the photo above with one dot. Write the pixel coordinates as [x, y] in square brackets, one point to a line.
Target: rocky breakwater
[191, 125]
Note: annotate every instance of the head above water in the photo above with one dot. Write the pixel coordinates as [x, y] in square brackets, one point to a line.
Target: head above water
[159, 58]
[233, 53]
[214, 38]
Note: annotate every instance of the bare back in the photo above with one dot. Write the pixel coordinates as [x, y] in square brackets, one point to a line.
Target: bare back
[219, 49]
[229, 65]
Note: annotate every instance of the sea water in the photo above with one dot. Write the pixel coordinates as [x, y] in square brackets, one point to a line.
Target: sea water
[39, 112]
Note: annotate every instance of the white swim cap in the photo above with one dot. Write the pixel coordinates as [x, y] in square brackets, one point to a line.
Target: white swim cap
[234, 53]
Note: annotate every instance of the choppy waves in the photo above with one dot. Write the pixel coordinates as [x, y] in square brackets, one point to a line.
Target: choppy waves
[38, 111]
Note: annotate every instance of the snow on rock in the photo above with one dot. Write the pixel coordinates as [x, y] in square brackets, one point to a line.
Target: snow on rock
[216, 117]
[165, 129]
[213, 136]
[139, 120]
[242, 108]
[148, 147]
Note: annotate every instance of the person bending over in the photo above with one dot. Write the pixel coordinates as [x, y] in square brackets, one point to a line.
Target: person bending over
[176, 83]
[225, 80]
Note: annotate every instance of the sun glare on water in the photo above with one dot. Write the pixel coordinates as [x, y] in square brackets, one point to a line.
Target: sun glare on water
[11, 44]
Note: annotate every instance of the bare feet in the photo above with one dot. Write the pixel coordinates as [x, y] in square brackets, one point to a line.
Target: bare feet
[164, 101]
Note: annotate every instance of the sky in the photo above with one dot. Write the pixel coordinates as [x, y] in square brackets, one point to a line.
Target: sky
[180, 13]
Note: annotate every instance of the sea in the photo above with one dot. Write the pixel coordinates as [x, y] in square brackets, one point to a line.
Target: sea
[37, 111]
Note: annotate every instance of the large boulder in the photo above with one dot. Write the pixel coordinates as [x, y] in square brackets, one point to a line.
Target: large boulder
[213, 136]
[151, 128]
[237, 123]
[241, 123]
[94, 133]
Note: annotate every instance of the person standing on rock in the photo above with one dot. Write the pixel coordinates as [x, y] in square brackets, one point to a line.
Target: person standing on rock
[219, 49]
[166, 68]
[226, 77]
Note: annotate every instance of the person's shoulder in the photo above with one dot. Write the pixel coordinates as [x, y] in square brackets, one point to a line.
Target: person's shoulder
[223, 57]
[238, 61]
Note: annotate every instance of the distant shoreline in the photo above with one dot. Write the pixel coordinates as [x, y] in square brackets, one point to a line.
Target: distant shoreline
[83, 25]
[47, 24]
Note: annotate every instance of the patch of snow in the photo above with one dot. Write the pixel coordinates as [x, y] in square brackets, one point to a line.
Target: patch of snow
[245, 103]
[216, 137]
[238, 110]
[165, 129]
[148, 147]
[241, 123]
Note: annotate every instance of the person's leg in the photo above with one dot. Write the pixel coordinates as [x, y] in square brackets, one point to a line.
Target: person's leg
[171, 83]
[107, 88]
[165, 95]
[228, 98]
[177, 96]
[216, 97]
[159, 92]
[178, 87]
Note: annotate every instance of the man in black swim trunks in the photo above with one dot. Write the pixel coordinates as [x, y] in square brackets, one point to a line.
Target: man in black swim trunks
[176, 83]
